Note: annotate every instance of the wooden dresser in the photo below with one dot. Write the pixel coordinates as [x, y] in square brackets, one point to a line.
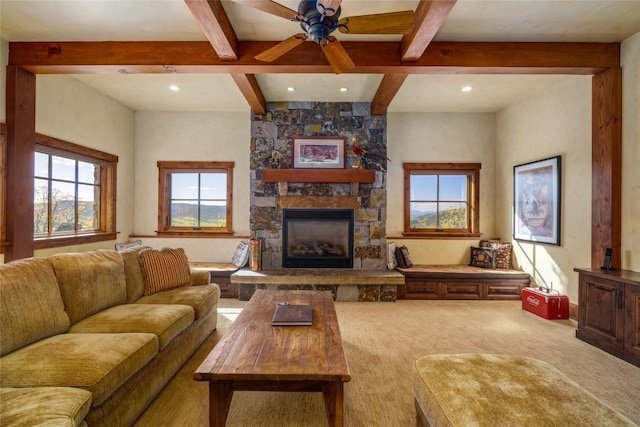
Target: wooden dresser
[609, 311]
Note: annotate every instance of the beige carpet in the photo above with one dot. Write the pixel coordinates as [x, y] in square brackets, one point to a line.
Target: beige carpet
[382, 340]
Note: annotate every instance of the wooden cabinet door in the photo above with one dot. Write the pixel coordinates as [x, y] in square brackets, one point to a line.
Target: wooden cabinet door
[632, 319]
[601, 314]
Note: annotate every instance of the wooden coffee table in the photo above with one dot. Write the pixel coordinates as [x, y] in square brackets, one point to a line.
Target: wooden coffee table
[255, 356]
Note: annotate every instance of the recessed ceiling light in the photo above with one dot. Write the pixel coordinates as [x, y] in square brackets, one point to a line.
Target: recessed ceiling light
[344, 89]
[467, 89]
[174, 88]
[291, 89]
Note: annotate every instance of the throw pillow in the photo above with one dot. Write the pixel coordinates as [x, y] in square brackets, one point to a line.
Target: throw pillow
[402, 257]
[241, 255]
[482, 257]
[124, 246]
[392, 262]
[164, 269]
[503, 252]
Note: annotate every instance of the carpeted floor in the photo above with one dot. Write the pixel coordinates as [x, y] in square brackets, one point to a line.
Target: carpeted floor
[381, 341]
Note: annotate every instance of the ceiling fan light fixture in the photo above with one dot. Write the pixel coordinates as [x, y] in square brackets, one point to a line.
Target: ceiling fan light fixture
[316, 24]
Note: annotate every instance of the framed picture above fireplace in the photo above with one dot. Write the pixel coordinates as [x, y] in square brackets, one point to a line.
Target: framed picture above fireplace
[318, 152]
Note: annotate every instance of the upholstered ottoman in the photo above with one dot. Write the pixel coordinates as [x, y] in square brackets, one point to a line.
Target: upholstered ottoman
[499, 390]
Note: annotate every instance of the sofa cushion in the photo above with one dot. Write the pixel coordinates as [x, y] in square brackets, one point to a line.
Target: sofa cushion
[89, 281]
[201, 298]
[31, 306]
[164, 269]
[40, 406]
[99, 363]
[165, 321]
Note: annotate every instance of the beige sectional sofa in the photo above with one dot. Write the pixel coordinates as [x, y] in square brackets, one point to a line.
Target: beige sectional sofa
[83, 342]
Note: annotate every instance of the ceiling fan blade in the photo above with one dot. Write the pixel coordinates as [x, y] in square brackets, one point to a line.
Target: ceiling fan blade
[337, 56]
[281, 48]
[379, 23]
[329, 7]
[271, 7]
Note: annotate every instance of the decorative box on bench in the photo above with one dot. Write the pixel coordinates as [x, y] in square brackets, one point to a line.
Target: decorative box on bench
[545, 303]
[458, 281]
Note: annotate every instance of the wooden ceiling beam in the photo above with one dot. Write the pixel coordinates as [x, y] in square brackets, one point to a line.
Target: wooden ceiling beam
[429, 17]
[215, 25]
[369, 57]
[389, 86]
[251, 90]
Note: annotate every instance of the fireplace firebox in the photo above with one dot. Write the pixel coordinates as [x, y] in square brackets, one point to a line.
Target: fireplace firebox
[317, 238]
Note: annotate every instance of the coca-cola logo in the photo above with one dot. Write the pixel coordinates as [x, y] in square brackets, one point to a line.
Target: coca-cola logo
[533, 300]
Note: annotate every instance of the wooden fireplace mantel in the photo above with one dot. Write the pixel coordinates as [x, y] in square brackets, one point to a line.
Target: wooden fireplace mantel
[319, 175]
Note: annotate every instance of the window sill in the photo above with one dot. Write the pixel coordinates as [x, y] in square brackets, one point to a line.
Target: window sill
[194, 234]
[69, 240]
[439, 235]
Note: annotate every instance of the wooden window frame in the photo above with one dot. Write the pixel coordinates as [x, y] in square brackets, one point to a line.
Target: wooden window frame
[472, 170]
[165, 169]
[108, 184]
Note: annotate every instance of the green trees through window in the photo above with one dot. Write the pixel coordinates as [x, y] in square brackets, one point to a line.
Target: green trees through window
[441, 198]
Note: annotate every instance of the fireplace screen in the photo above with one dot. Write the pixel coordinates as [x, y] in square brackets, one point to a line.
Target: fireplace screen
[317, 238]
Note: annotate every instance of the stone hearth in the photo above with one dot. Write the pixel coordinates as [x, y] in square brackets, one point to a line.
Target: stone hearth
[345, 284]
[271, 142]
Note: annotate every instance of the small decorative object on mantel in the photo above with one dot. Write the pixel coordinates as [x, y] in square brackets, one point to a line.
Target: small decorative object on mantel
[361, 152]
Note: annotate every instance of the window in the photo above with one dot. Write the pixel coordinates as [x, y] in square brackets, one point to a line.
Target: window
[195, 197]
[442, 199]
[74, 193]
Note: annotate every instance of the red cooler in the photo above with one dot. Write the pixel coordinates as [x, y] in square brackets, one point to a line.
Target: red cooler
[545, 303]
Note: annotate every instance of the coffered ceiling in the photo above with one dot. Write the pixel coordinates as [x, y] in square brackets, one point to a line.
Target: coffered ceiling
[173, 21]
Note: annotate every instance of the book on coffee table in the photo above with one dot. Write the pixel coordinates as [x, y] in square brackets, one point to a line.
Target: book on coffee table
[292, 315]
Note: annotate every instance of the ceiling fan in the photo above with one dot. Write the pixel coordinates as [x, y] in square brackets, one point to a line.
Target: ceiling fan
[320, 18]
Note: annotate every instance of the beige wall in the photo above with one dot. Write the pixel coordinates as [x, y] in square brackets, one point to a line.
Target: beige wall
[555, 120]
[432, 138]
[213, 136]
[630, 62]
[69, 110]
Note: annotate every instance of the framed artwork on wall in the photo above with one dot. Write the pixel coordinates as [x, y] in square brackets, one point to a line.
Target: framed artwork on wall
[318, 152]
[536, 198]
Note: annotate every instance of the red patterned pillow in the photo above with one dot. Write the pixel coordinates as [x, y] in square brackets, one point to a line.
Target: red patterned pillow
[503, 252]
[164, 269]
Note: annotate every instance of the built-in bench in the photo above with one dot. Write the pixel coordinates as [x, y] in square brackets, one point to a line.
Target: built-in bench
[221, 274]
[459, 281]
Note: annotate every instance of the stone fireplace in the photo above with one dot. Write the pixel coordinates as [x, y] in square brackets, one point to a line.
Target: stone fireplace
[271, 141]
[317, 238]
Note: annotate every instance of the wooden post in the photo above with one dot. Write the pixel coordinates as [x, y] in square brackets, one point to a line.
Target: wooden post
[606, 213]
[21, 135]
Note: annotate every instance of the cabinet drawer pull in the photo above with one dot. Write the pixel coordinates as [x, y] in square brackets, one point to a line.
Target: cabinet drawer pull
[619, 297]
